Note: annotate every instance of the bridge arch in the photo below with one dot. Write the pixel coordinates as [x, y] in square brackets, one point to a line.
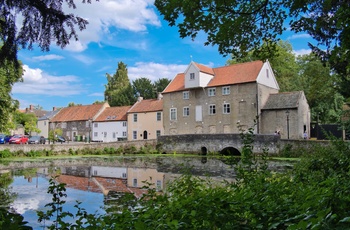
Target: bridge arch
[230, 151]
[204, 150]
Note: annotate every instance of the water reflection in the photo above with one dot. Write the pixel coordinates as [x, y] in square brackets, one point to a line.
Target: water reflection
[105, 184]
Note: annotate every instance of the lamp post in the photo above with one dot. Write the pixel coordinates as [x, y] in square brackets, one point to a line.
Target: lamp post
[287, 113]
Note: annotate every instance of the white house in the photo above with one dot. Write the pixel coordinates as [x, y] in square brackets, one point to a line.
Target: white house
[111, 125]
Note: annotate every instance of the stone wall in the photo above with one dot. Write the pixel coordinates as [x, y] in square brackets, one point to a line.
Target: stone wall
[77, 145]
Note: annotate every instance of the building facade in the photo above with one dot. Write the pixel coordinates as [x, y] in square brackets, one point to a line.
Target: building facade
[111, 125]
[217, 100]
[145, 119]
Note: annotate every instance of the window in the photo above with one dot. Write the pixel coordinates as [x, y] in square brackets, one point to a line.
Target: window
[226, 108]
[124, 134]
[134, 182]
[95, 134]
[105, 134]
[87, 124]
[95, 125]
[64, 125]
[44, 123]
[135, 117]
[124, 123]
[134, 135]
[212, 110]
[267, 73]
[159, 185]
[192, 76]
[124, 175]
[159, 116]
[173, 114]
[226, 90]
[211, 92]
[158, 133]
[186, 95]
[114, 135]
[186, 111]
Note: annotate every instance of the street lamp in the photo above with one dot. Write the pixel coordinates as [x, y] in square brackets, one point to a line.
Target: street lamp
[287, 113]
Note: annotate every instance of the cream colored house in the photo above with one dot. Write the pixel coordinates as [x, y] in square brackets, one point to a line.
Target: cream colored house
[217, 100]
[145, 119]
[43, 122]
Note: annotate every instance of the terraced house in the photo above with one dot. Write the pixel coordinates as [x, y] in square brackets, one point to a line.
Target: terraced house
[224, 99]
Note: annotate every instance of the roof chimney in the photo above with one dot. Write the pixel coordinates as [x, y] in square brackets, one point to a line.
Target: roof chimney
[54, 108]
[31, 107]
[139, 99]
[160, 96]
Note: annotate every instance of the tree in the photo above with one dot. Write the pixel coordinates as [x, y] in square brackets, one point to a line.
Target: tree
[161, 84]
[118, 90]
[318, 83]
[28, 120]
[43, 22]
[71, 104]
[144, 88]
[9, 75]
[240, 26]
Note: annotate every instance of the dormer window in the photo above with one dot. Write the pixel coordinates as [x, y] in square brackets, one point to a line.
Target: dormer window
[186, 95]
[211, 92]
[192, 76]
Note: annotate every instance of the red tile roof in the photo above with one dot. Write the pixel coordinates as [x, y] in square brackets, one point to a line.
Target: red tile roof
[78, 113]
[226, 75]
[113, 114]
[149, 105]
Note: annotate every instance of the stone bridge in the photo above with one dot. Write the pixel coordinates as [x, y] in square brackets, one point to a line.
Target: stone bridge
[227, 144]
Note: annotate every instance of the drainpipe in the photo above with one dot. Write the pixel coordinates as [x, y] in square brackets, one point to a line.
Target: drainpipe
[257, 110]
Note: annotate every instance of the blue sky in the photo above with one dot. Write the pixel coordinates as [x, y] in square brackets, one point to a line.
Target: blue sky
[131, 31]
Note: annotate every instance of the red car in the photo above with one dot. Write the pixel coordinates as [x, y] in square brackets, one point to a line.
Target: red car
[18, 139]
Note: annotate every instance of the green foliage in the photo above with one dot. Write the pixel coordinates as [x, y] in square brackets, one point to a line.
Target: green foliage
[118, 90]
[9, 75]
[5, 153]
[144, 88]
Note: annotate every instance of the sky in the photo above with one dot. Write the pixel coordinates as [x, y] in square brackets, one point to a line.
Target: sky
[128, 31]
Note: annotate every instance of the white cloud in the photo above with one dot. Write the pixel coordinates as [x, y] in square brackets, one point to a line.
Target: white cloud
[301, 52]
[84, 59]
[49, 57]
[298, 36]
[35, 81]
[107, 18]
[154, 71]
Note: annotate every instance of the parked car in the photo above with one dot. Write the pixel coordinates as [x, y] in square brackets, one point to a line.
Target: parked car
[7, 138]
[19, 139]
[36, 140]
[60, 139]
[2, 139]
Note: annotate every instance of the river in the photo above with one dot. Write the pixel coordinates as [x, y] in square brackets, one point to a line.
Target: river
[95, 180]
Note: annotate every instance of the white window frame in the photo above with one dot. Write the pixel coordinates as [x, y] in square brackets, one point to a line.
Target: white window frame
[192, 76]
[134, 135]
[212, 109]
[186, 95]
[124, 123]
[95, 124]
[226, 90]
[135, 117]
[186, 111]
[114, 135]
[211, 92]
[226, 108]
[124, 133]
[134, 182]
[158, 133]
[173, 114]
[159, 116]
[95, 134]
